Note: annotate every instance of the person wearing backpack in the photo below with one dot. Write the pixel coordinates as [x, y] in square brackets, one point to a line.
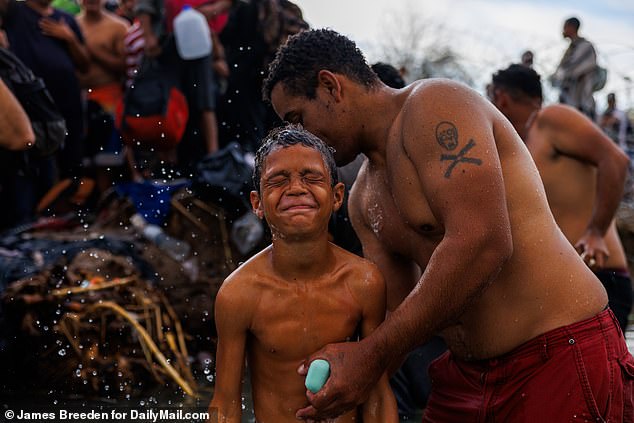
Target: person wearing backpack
[50, 43]
[25, 176]
[576, 73]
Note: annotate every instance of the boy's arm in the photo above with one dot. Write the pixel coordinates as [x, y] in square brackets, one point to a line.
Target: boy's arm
[232, 315]
[380, 406]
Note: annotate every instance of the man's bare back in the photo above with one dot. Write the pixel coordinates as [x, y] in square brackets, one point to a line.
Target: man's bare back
[532, 293]
[570, 182]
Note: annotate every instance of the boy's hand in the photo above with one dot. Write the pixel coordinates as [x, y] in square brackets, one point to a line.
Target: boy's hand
[354, 370]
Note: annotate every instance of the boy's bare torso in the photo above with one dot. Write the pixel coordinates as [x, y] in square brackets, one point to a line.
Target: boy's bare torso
[533, 293]
[291, 320]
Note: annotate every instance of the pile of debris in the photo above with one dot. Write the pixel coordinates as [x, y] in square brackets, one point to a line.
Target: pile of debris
[94, 326]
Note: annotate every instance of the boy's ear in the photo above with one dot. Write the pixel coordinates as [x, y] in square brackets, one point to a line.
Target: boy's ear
[256, 204]
[330, 82]
[338, 191]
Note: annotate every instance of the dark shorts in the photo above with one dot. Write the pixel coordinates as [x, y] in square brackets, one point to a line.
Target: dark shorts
[580, 372]
[618, 285]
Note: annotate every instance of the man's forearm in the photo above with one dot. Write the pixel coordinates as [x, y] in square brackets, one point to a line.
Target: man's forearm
[454, 277]
[611, 175]
[110, 61]
[79, 54]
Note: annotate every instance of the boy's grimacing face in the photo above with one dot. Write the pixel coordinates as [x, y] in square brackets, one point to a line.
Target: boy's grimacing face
[296, 196]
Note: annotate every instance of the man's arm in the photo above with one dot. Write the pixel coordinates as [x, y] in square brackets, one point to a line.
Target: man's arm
[232, 315]
[576, 136]
[380, 407]
[465, 190]
[16, 132]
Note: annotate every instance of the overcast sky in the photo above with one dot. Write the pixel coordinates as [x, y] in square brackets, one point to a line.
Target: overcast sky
[490, 34]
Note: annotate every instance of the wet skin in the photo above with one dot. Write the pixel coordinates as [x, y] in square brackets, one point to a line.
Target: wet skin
[448, 190]
[294, 297]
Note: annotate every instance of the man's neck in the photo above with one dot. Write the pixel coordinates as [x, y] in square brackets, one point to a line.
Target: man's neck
[95, 16]
[377, 108]
[301, 259]
[524, 119]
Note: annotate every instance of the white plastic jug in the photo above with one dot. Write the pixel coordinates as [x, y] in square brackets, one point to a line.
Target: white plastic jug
[191, 31]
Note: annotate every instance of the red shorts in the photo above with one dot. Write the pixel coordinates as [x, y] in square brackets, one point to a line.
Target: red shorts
[580, 372]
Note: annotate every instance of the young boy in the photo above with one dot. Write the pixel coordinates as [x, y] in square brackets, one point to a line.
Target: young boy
[297, 295]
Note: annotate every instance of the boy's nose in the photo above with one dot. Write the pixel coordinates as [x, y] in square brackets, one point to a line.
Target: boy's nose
[296, 185]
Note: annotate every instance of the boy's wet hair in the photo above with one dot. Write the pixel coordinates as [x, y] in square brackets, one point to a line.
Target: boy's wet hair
[519, 81]
[287, 136]
[300, 59]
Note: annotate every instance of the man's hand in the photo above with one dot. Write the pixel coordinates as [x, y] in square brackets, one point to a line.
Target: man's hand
[354, 370]
[57, 29]
[593, 250]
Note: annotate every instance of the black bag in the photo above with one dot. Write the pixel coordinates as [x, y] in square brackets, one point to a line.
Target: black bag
[48, 123]
[224, 178]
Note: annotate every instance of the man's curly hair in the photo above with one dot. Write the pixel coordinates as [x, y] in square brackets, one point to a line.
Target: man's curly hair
[519, 81]
[298, 62]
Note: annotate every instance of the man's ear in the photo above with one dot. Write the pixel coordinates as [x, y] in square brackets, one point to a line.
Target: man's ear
[256, 204]
[338, 191]
[502, 99]
[330, 82]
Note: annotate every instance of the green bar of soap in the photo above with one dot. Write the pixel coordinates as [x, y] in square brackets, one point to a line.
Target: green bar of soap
[318, 374]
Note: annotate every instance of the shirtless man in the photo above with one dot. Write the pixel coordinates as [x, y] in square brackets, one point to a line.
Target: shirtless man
[105, 33]
[297, 295]
[450, 188]
[583, 173]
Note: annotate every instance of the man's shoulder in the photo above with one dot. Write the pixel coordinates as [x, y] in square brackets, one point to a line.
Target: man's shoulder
[68, 17]
[560, 115]
[437, 96]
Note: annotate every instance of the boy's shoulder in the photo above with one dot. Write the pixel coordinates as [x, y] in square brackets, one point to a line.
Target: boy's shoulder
[245, 275]
[360, 273]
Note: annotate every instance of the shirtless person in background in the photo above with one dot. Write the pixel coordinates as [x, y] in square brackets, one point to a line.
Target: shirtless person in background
[450, 188]
[297, 295]
[105, 33]
[583, 173]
